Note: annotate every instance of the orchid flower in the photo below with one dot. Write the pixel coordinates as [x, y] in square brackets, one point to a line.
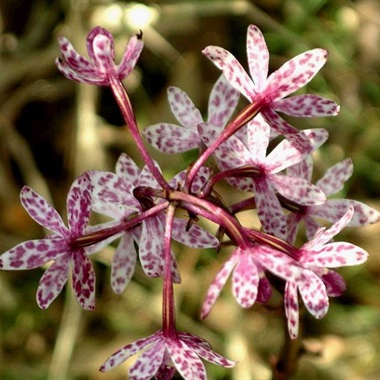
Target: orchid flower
[181, 351]
[59, 247]
[271, 92]
[171, 138]
[316, 257]
[264, 177]
[333, 209]
[100, 48]
[114, 197]
[248, 280]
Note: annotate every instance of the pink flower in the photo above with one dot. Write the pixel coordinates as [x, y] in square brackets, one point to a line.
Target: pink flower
[182, 351]
[261, 172]
[100, 48]
[333, 209]
[171, 138]
[58, 247]
[270, 91]
[114, 196]
[316, 256]
[248, 280]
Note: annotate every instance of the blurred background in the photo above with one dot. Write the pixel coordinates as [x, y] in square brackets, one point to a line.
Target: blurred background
[52, 129]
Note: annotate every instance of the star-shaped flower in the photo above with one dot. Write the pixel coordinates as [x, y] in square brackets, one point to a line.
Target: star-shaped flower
[248, 280]
[316, 256]
[270, 91]
[261, 173]
[183, 351]
[333, 209]
[59, 247]
[114, 196]
[100, 48]
[171, 138]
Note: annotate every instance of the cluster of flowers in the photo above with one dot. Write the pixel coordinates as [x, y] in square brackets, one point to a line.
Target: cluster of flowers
[142, 204]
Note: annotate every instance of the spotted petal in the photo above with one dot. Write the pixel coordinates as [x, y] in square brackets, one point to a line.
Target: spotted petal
[127, 351]
[222, 102]
[130, 57]
[52, 282]
[42, 212]
[306, 105]
[183, 108]
[218, 284]
[83, 280]
[292, 308]
[123, 263]
[295, 73]
[245, 281]
[195, 236]
[335, 255]
[232, 69]
[79, 204]
[335, 177]
[186, 361]
[33, 253]
[314, 295]
[171, 138]
[148, 363]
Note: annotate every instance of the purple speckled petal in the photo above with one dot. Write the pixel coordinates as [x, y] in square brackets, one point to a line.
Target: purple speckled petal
[314, 295]
[335, 177]
[334, 282]
[129, 350]
[323, 236]
[335, 255]
[183, 108]
[306, 105]
[83, 280]
[303, 169]
[293, 221]
[76, 62]
[79, 204]
[258, 138]
[90, 75]
[311, 224]
[103, 52]
[42, 212]
[231, 154]
[147, 178]
[130, 57]
[186, 361]
[258, 56]
[123, 263]
[280, 264]
[269, 209]
[297, 189]
[151, 247]
[292, 308]
[232, 69]
[285, 154]
[195, 237]
[92, 36]
[148, 363]
[109, 188]
[218, 284]
[245, 281]
[171, 138]
[204, 350]
[295, 73]
[222, 102]
[33, 253]
[280, 126]
[52, 282]
[127, 168]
